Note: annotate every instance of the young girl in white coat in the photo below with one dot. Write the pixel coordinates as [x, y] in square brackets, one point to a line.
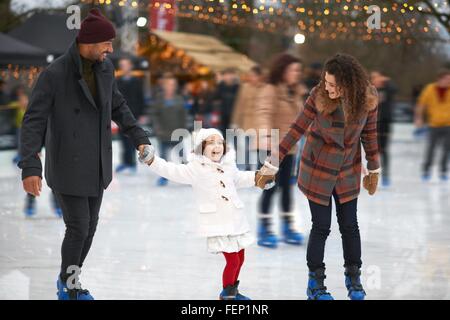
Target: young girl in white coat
[214, 177]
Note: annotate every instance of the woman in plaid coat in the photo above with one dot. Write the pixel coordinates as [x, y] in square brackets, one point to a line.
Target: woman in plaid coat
[339, 115]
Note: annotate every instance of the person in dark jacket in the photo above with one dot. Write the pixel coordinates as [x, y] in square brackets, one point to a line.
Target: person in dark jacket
[225, 96]
[3, 96]
[169, 115]
[313, 75]
[6, 113]
[202, 107]
[386, 93]
[19, 102]
[132, 89]
[70, 112]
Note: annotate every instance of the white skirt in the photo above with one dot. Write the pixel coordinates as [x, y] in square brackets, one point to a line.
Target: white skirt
[229, 244]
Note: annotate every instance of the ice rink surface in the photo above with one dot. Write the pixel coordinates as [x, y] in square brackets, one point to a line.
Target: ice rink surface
[146, 246]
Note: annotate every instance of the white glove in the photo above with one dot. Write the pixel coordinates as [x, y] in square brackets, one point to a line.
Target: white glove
[268, 169]
[147, 155]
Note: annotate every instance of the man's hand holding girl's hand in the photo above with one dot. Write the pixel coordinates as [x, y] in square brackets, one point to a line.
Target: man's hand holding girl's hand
[146, 153]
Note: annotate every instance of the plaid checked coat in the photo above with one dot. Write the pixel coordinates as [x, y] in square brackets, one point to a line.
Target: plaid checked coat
[331, 157]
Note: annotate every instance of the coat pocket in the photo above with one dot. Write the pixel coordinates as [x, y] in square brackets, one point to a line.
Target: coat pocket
[238, 203]
[57, 150]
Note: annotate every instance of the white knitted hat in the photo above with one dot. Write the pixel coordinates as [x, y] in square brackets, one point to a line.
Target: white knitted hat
[203, 134]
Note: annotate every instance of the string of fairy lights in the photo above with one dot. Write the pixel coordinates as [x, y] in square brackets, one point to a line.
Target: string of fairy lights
[323, 19]
[401, 22]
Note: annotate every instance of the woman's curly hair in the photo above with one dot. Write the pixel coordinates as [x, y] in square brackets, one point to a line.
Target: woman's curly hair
[352, 79]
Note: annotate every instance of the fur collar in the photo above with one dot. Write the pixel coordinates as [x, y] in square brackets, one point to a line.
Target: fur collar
[325, 105]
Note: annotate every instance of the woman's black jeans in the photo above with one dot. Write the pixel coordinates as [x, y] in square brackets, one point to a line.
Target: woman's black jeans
[348, 226]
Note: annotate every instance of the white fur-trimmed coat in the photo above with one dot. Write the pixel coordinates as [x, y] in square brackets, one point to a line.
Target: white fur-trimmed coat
[215, 189]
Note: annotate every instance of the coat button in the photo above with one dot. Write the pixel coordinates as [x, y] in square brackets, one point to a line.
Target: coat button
[224, 198]
[220, 170]
[77, 111]
[222, 184]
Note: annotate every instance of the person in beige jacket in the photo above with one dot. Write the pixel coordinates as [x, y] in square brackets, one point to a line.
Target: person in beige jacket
[244, 118]
[277, 106]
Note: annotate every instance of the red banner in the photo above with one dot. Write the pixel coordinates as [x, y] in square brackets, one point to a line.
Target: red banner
[162, 15]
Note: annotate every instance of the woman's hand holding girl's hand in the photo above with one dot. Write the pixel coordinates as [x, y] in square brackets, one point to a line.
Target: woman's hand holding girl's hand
[264, 181]
[269, 169]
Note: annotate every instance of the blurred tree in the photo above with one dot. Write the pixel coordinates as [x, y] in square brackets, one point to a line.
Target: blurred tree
[8, 18]
[437, 9]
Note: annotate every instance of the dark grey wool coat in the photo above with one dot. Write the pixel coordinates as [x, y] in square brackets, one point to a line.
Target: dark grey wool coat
[74, 127]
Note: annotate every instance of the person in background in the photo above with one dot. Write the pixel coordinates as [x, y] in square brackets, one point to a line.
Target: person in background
[131, 88]
[386, 93]
[169, 114]
[304, 92]
[434, 103]
[6, 113]
[244, 113]
[313, 74]
[202, 106]
[277, 104]
[156, 87]
[19, 102]
[225, 96]
[3, 96]
[188, 96]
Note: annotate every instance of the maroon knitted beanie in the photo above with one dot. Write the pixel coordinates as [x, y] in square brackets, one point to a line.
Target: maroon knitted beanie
[95, 28]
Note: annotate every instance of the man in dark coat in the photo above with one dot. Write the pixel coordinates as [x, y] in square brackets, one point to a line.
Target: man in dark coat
[132, 89]
[70, 112]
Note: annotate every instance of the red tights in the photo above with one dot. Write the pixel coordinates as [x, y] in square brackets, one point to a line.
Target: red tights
[233, 267]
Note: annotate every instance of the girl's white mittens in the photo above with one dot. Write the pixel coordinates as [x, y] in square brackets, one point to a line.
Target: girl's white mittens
[268, 169]
[147, 155]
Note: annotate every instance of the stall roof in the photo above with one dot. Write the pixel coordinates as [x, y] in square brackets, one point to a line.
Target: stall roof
[16, 52]
[46, 31]
[206, 50]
